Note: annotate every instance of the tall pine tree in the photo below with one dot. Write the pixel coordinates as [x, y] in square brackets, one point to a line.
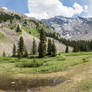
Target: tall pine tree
[67, 49]
[42, 44]
[18, 29]
[34, 47]
[53, 49]
[21, 47]
[4, 54]
[14, 50]
[25, 52]
[49, 46]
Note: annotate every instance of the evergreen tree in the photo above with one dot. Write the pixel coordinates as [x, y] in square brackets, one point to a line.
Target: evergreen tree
[67, 49]
[25, 52]
[75, 49]
[4, 54]
[21, 47]
[53, 49]
[34, 47]
[49, 47]
[42, 44]
[14, 50]
[18, 29]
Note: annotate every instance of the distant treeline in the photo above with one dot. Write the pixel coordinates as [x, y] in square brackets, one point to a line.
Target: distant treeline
[80, 45]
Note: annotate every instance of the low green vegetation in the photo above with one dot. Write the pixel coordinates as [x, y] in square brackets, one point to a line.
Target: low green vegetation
[33, 31]
[85, 86]
[60, 63]
[11, 27]
[1, 35]
[25, 69]
[30, 63]
[47, 64]
[8, 60]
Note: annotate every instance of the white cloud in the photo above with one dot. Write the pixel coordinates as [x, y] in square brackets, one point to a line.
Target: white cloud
[89, 8]
[5, 8]
[43, 9]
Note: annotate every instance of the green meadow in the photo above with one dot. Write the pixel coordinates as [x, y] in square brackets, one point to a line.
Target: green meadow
[73, 68]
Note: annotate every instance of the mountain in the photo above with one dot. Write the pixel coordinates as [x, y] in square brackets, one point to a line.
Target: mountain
[79, 28]
[9, 22]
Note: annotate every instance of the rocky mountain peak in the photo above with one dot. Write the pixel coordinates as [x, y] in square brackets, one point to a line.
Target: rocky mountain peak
[78, 28]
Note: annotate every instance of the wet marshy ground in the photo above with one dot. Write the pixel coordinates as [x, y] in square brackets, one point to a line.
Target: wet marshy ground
[27, 85]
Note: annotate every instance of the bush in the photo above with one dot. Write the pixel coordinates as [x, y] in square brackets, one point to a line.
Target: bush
[30, 63]
[85, 60]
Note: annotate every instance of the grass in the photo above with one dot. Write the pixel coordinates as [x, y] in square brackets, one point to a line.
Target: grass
[1, 35]
[47, 64]
[11, 27]
[79, 80]
[3, 38]
[32, 31]
[76, 67]
[30, 63]
[75, 53]
[84, 86]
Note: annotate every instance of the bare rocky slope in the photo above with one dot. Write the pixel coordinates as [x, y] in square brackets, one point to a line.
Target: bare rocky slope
[8, 36]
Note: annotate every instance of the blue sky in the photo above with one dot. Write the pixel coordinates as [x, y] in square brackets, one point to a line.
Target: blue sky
[23, 6]
[16, 5]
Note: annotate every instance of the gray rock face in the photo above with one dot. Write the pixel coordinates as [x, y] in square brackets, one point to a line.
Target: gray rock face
[79, 28]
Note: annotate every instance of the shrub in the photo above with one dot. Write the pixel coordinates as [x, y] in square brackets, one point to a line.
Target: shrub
[30, 63]
[85, 60]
